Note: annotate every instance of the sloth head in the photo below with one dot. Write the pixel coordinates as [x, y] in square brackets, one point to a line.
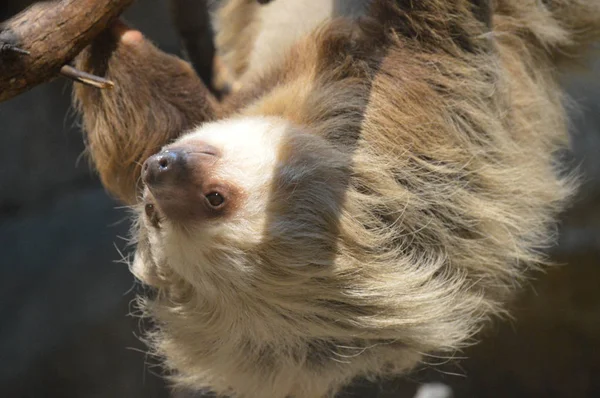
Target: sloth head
[237, 202]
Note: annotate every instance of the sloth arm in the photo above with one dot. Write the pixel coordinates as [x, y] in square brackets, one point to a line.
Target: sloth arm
[156, 98]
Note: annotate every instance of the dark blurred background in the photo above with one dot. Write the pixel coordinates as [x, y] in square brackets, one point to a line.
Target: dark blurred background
[65, 299]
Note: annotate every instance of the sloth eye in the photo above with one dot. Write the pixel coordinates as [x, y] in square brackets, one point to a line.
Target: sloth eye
[215, 199]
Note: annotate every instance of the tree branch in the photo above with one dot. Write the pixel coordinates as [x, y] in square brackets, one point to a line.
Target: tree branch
[38, 42]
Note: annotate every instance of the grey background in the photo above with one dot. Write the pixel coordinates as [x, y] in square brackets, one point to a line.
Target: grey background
[65, 299]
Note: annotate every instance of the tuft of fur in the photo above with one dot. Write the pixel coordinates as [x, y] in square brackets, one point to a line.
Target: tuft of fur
[410, 185]
[562, 29]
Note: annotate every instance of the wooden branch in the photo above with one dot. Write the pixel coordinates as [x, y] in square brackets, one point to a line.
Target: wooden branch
[38, 42]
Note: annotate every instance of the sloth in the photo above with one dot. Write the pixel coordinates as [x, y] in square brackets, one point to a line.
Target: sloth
[375, 189]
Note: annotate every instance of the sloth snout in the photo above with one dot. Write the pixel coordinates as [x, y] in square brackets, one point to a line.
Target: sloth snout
[178, 181]
[165, 167]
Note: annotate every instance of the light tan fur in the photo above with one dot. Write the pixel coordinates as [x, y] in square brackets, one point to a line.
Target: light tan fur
[403, 186]
[252, 38]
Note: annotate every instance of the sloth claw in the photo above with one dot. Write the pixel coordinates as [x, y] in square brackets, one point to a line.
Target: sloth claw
[8, 43]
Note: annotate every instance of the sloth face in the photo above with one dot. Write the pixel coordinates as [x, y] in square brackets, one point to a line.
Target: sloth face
[232, 199]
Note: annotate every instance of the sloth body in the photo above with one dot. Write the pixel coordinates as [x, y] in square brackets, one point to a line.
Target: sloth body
[370, 195]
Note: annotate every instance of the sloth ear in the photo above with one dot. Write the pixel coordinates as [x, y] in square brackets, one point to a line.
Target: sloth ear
[155, 99]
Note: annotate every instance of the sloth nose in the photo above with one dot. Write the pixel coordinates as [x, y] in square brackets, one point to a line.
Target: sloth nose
[166, 166]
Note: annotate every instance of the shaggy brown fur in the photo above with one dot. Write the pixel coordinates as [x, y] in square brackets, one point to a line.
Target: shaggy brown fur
[412, 187]
[158, 97]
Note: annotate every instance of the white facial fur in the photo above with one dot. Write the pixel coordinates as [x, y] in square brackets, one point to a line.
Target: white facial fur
[248, 149]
